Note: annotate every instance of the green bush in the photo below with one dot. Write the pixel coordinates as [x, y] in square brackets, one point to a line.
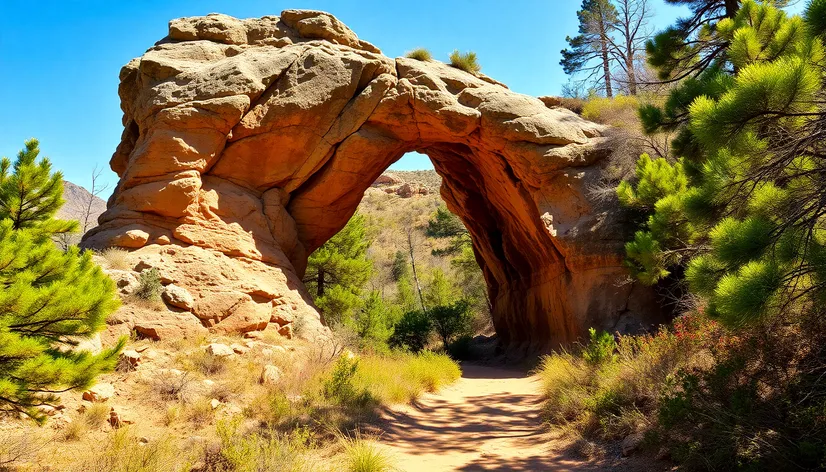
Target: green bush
[339, 386]
[451, 321]
[412, 331]
[466, 62]
[420, 54]
[600, 348]
[149, 286]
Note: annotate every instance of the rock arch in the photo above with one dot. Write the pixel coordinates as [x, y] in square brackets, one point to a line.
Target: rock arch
[248, 143]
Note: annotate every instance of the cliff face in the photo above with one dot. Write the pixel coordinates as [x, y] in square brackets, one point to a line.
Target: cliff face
[249, 143]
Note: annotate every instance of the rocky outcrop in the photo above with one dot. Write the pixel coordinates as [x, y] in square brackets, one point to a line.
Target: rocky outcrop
[248, 143]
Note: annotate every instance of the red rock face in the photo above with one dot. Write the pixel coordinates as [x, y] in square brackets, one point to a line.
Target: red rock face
[254, 140]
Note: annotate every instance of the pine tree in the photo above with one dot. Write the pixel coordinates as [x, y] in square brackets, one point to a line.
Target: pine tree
[400, 268]
[339, 269]
[589, 51]
[748, 226]
[50, 298]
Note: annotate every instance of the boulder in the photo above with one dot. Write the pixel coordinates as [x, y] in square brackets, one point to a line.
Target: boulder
[249, 143]
[178, 297]
[270, 375]
[219, 350]
[387, 179]
[631, 442]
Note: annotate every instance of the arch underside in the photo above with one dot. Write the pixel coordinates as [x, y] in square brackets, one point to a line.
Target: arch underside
[260, 151]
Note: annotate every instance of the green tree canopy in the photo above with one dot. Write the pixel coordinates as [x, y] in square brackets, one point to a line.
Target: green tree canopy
[339, 269]
[49, 298]
[748, 226]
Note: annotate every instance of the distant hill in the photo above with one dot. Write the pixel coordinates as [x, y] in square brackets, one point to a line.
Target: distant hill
[78, 205]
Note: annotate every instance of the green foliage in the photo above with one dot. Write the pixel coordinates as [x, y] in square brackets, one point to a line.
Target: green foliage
[466, 62]
[31, 194]
[420, 54]
[149, 286]
[373, 322]
[339, 269]
[451, 321]
[444, 224]
[405, 295]
[365, 456]
[656, 179]
[440, 290]
[340, 386]
[600, 347]
[412, 331]
[400, 268]
[732, 211]
[50, 298]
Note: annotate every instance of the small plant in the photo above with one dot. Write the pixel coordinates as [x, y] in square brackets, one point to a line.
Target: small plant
[150, 285]
[466, 62]
[600, 348]
[420, 54]
[200, 412]
[339, 386]
[115, 258]
[362, 455]
[96, 414]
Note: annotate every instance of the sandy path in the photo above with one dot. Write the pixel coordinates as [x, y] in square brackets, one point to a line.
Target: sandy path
[488, 420]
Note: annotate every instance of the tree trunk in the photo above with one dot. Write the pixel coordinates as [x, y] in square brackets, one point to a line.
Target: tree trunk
[320, 283]
[731, 7]
[413, 263]
[606, 64]
[632, 74]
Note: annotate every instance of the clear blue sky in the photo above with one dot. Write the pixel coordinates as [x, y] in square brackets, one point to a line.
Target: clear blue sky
[59, 60]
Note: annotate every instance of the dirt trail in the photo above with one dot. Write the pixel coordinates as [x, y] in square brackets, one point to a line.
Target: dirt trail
[489, 420]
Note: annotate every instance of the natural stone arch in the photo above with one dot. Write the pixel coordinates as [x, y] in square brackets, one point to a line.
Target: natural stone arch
[249, 143]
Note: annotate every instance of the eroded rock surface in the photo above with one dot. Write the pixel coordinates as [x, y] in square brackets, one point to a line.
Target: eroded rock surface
[248, 143]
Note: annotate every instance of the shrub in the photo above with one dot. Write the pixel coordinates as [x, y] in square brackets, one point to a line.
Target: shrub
[122, 452]
[412, 331]
[451, 321]
[261, 451]
[362, 455]
[340, 387]
[620, 111]
[149, 286]
[600, 348]
[115, 258]
[466, 62]
[420, 54]
[403, 377]
[612, 388]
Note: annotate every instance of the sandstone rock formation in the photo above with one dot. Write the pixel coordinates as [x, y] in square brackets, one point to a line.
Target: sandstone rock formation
[248, 143]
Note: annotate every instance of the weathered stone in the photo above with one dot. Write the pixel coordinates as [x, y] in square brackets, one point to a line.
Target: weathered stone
[249, 143]
[270, 375]
[631, 442]
[387, 179]
[219, 350]
[130, 358]
[178, 297]
[99, 393]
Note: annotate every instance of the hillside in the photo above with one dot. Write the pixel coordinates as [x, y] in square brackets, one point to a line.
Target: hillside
[81, 205]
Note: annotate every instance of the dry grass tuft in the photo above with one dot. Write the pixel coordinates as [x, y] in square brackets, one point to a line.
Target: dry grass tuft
[420, 54]
[115, 258]
[466, 62]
